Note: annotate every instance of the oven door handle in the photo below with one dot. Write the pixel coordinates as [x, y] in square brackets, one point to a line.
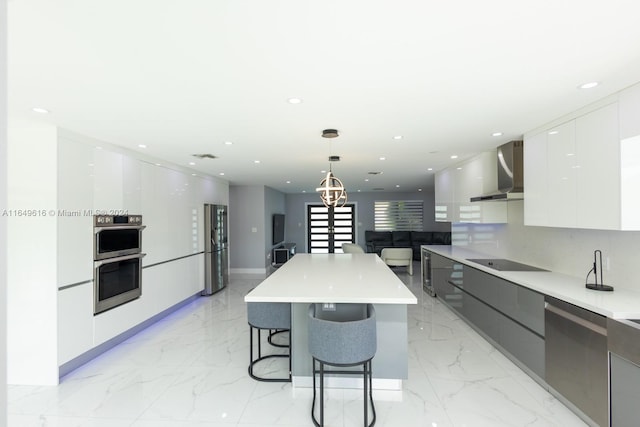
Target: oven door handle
[118, 259]
[119, 227]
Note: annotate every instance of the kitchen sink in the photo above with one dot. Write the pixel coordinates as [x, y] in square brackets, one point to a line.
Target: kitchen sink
[502, 264]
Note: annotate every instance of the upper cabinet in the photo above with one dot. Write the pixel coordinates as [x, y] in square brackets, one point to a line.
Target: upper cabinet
[455, 186]
[585, 172]
[444, 195]
[629, 103]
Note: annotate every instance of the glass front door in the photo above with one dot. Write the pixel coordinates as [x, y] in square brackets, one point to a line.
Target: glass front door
[329, 228]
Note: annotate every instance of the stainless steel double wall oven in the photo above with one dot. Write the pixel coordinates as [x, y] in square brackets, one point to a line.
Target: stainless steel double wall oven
[117, 255]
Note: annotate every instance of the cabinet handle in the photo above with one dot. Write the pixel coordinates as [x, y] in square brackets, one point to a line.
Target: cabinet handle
[575, 319]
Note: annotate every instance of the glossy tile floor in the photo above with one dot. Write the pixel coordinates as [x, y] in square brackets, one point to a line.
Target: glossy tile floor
[190, 369]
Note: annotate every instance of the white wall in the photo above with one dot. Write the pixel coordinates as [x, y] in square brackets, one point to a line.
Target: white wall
[51, 319]
[3, 222]
[247, 228]
[563, 250]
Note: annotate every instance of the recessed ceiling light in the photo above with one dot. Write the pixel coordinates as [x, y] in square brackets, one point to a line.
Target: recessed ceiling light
[383, 158]
[294, 101]
[430, 169]
[288, 182]
[589, 85]
[358, 191]
[553, 132]
[419, 189]
[366, 180]
[397, 185]
[142, 146]
[397, 137]
[192, 163]
[256, 161]
[221, 174]
[158, 164]
[228, 143]
[459, 169]
[193, 174]
[323, 171]
[40, 110]
[304, 191]
[496, 134]
[454, 156]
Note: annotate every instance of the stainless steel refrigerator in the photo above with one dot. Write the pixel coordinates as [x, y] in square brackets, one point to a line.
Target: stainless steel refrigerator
[216, 249]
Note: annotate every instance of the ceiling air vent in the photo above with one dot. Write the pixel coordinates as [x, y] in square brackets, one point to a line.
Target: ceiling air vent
[375, 173]
[378, 189]
[334, 158]
[205, 156]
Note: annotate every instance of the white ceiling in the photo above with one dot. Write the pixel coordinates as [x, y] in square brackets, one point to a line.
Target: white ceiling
[184, 76]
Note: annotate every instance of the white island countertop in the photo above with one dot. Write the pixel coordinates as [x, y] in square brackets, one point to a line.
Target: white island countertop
[619, 304]
[337, 278]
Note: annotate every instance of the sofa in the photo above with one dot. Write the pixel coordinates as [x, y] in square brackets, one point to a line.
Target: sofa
[378, 240]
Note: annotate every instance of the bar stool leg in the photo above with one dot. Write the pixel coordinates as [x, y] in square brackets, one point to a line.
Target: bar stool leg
[364, 388]
[321, 394]
[250, 350]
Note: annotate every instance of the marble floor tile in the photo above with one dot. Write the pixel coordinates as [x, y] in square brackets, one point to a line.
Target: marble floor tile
[190, 370]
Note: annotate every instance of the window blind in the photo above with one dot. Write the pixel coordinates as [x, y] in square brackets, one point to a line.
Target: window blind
[398, 215]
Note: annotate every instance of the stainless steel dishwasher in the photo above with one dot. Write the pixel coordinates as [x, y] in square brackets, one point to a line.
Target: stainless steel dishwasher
[576, 361]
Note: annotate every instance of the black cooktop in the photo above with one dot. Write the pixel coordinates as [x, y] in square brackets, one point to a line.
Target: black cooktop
[504, 264]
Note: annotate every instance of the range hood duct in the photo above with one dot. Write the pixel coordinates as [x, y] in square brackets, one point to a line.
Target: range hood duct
[510, 174]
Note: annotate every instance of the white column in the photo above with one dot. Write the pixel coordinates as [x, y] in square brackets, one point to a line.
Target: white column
[32, 293]
[3, 222]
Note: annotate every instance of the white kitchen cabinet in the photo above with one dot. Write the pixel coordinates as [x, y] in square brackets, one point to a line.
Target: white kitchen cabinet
[74, 213]
[592, 175]
[132, 185]
[108, 181]
[535, 180]
[629, 107]
[561, 174]
[444, 195]
[75, 321]
[455, 186]
[468, 178]
[598, 169]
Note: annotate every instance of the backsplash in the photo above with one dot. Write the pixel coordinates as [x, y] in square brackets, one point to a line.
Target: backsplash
[562, 250]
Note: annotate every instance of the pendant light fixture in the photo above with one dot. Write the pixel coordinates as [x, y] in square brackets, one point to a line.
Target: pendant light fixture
[332, 192]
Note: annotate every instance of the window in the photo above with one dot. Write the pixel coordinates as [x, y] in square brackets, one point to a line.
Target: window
[398, 215]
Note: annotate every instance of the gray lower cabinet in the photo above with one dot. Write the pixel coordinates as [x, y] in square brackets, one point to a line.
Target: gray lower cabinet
[623, 342]
[625, 395]
[509, 314]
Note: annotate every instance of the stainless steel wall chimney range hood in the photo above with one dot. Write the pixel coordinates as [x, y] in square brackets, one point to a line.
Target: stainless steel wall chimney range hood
[510, 175]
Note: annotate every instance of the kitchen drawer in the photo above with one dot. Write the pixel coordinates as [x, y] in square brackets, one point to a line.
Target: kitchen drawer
[514, 301]
[523, 344]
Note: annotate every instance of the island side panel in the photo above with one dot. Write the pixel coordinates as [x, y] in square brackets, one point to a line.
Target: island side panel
[392, 357]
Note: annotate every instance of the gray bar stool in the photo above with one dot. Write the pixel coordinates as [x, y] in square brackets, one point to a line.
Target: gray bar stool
[276, 318]
[343, 337]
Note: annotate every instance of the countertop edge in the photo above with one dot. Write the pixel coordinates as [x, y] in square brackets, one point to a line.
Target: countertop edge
[309, 300]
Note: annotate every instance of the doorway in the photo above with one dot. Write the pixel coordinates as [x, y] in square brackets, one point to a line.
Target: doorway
[330, 227]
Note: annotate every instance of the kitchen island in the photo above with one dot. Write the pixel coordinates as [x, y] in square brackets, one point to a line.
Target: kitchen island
[343, 278]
